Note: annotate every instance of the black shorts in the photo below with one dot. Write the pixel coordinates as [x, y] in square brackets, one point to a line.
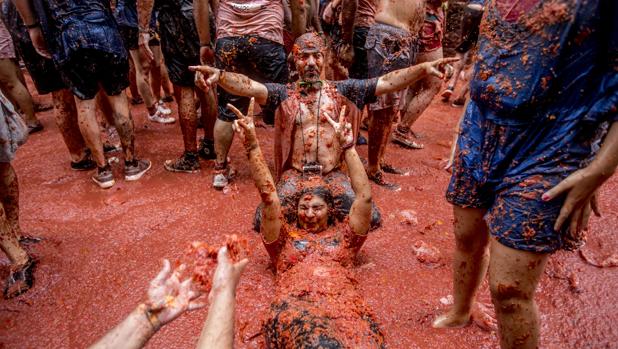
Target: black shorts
[44, 74]
[469, 29]
[359, 68]
[258, 58]
[130, 37]
[181, 47]
[88, 70]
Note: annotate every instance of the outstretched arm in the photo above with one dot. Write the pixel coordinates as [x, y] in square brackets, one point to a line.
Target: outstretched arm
[236, 84]
[168, 298]
[271, 215]
[402, 78]
[360, 213]
[581, 187]
[218, 331]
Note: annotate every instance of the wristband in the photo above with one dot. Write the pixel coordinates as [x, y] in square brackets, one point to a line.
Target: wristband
[347, 146]
[144, 31]
[33, 25]
[152, 319]
[209, 45]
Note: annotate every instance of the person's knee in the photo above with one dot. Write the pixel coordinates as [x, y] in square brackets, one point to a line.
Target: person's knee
[509, 296]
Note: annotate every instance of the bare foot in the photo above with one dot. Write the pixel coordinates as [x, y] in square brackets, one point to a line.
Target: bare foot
[480, 315]
[451, 320]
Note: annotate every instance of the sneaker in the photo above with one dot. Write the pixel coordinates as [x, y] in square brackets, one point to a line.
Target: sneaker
[20, 280]
[187, 163]
[458, 103]
[388, 168]
[104, 177]
[135, 170]
[446, 94]
[168, 99]
[110, 148]
[402, 138]
[222, 177]
[136, 101]
[163, 108]
[207, 149]
[159, 117]
[85, 164]
[38, 127]
[378, 178]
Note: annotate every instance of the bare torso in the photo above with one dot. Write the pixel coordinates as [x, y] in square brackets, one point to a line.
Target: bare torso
[404, 14]
[315, 141]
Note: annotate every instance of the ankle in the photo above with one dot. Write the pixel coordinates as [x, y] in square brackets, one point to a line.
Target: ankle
[152, 109]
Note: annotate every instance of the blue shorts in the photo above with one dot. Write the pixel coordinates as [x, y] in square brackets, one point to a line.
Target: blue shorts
[507, 168]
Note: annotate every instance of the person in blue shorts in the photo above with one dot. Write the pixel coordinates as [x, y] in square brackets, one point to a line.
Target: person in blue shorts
[538, 138]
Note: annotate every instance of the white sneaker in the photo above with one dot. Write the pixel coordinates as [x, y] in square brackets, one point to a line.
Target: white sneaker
[220, 181]
[161, 118]
[163, 108]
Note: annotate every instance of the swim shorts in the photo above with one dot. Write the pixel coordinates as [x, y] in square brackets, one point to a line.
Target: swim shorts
[42, 70]
[180, 45]
[260, 59]
[359, 68]
[469, 29]
[507, 168]
[389, 48]
[87, 70]
[432, 30]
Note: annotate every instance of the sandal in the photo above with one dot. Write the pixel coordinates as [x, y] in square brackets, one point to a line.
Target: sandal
[378, 178]
[20, 281]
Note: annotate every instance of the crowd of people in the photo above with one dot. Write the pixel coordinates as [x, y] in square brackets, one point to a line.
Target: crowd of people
[538, 137]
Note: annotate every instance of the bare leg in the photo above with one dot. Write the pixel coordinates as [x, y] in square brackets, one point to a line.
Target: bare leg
[66, 119]
[8, 236]
[155, 72]
[16, 91]
[469, 265]
[458, 67]
[142, 71]
[133, 81]
[9, 197]
[124, 124]
[224, 135]
[208, 102]
[513, 278]
[89, 127]
[421, 94]
[380, 123]
[185, 98]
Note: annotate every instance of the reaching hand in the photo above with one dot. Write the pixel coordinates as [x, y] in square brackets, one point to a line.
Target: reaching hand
[227, 274]
[581, 199]
[244, 125]
[144, 46]
[38, 41]
[169, 297]
[438, 67]
[212, 76]
[343, 129]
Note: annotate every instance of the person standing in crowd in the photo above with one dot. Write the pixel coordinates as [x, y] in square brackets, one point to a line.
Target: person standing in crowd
[83, 39]
[538, 138]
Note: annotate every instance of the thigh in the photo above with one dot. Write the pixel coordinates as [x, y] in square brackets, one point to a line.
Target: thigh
[8, 70]
[469, 226]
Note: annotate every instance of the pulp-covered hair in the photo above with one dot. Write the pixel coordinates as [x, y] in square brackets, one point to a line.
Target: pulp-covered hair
[322, 192]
